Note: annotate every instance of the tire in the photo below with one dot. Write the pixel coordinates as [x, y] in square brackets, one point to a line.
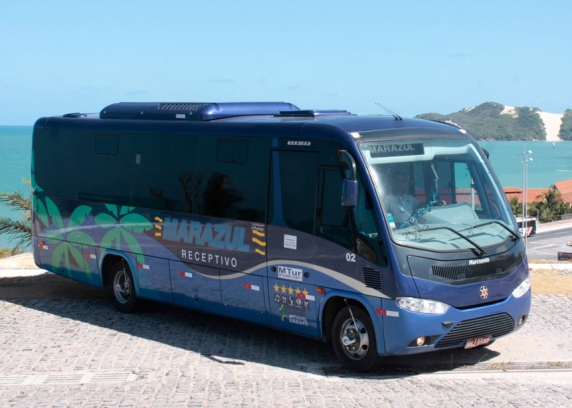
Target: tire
[122, 288]
[355, 348]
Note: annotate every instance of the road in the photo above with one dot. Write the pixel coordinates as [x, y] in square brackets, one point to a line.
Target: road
[63, 344]
[548, 242]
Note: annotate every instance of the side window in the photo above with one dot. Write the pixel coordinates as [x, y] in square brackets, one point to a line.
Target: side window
[369, 240]
[163, 167]
[106, 145]
[299, 179]
[333, 220]
[231, 179]
[232, 151]
[56, 162]
[106, 168]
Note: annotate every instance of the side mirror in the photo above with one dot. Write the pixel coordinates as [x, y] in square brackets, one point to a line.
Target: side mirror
[347, 159]
[349, 193]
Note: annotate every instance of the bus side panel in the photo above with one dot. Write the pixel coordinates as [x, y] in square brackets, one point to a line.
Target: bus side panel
[243, 296]
[196, 287]
[91, 254]
[69, 259]
[293, 305]
[154, 279]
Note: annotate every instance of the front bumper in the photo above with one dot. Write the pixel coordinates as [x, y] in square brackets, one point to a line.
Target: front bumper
[453, 328]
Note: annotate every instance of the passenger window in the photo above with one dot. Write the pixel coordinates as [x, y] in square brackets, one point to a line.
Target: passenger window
[104, 160]
[231, 179]
[299, 179]
[162, 174]
[106, 145]
[232, 151]
[59, 155]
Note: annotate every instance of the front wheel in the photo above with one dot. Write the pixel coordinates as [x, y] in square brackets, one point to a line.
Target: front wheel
[122, 289]
[354, 340]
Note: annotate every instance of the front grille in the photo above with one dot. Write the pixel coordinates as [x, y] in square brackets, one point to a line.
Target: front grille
[496, 325]
[372, 278]
[180, 106]
[496, 267]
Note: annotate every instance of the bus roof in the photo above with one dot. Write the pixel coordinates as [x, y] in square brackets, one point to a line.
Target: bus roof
[255, 116]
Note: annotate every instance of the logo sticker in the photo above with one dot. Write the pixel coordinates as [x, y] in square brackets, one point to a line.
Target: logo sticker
[396, 149]
[484, 292]
[290, 273]
[479, 261]
[290, 241]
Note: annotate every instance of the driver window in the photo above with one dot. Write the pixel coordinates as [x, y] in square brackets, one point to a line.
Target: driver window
[369, 241]
[332, 220]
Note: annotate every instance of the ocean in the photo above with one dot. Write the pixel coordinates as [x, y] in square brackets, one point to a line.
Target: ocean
[551, 162]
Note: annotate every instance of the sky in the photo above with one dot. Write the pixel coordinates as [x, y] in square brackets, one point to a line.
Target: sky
[411, 56]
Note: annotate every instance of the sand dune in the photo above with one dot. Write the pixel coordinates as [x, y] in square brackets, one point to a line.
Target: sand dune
[552, 123]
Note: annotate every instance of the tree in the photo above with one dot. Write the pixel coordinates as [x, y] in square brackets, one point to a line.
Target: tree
[18, 230]
[515, 206]
[552, 206]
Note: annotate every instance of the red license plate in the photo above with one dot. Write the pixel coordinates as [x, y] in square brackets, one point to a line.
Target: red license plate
[478, 341]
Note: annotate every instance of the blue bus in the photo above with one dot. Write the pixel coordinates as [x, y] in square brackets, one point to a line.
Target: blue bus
[381, 235]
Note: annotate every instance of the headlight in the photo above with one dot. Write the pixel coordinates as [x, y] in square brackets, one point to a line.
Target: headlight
[421, 305]
[522, 288]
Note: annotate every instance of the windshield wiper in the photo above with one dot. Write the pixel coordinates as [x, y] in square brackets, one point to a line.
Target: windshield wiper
[477, 246]
[514, 235]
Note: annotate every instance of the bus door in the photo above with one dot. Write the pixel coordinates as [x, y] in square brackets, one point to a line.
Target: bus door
[291, 243]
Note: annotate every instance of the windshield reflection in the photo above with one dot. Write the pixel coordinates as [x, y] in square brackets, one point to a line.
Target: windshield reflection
[439, 194]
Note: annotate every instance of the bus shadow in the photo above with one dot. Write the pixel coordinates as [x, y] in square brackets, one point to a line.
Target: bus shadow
[221, 340]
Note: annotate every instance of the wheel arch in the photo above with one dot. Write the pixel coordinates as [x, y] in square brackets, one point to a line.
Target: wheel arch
[336, 302]
[108, 260]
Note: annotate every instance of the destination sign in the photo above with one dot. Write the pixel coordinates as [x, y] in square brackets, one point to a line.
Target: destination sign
[396, 149]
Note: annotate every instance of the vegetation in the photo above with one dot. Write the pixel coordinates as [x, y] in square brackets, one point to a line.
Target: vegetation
[18, 230]
[485, 122]
[566, 127]
[551, 206]
[515, 206]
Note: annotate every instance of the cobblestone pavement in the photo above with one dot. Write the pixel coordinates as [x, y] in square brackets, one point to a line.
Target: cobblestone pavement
[81, 352]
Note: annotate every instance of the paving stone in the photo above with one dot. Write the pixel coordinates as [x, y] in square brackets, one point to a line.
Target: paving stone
[181, 358]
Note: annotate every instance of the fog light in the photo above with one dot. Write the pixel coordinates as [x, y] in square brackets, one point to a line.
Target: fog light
[520, 320]
[420, 341]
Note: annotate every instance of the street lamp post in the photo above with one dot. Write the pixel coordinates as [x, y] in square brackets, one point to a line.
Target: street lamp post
[525, 159]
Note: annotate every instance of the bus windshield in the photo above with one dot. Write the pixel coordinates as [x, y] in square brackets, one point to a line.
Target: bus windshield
[438, 194]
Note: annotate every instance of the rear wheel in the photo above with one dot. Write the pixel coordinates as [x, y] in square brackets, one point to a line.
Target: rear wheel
[122, 288]
[354, 341]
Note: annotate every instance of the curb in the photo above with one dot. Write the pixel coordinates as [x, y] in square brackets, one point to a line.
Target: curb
[554, 267]
[14, 273]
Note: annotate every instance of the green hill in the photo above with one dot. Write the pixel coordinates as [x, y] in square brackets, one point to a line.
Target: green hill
[566, 128]
[491, 121]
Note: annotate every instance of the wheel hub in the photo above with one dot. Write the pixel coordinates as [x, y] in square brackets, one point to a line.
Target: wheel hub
[355, 339]
[122, 287]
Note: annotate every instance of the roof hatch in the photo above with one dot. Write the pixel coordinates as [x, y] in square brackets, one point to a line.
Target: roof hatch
[313, 113]
[191, 111]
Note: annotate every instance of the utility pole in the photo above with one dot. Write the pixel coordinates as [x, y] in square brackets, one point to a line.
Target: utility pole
[525, 159]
